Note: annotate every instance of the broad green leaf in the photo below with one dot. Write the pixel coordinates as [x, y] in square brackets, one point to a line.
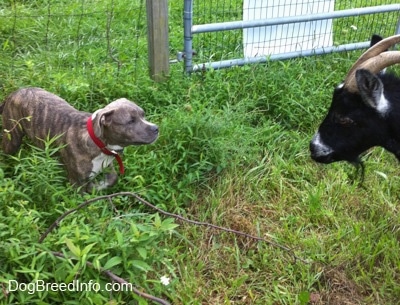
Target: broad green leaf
[74, 249]
[73, 272]
[168, 225]
[157, 220]
[119, 237]
[142, 252]
[112, 262]
[141, 265]
[87, 248]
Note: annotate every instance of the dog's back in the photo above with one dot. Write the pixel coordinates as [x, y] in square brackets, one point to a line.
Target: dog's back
[27, 108]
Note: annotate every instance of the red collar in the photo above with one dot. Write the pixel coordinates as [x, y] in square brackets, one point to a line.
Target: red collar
[103, 147]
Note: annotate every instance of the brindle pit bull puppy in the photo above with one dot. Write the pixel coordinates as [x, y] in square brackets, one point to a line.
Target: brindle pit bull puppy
[40, 115]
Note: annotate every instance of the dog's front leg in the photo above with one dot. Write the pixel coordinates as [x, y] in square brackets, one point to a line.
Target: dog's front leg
[109, 179]
[83, 177]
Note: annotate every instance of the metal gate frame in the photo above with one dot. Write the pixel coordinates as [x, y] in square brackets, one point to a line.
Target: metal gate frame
[190, 30]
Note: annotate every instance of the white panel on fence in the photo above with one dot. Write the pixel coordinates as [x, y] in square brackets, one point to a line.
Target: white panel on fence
[276, 39]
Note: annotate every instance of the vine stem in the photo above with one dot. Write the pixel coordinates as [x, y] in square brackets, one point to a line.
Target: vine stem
[176, 216]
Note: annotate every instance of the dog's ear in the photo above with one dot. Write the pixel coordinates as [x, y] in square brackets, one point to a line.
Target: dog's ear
[105, 118]
[102, 118]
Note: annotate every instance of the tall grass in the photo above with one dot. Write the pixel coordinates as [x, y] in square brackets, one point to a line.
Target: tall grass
[233, 151]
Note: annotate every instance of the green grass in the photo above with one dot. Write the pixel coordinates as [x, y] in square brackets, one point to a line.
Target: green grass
[233, 151]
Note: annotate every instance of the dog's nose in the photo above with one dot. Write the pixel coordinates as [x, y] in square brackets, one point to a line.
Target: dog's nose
[154, 129]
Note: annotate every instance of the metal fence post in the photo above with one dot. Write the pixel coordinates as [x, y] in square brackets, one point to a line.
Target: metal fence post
[187, 24]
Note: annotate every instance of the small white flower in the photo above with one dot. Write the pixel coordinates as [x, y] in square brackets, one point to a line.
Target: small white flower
[353, 27]
[165, 280]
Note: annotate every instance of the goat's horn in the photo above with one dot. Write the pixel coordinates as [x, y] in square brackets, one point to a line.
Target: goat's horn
[374, 65]
[369, 56]
[381, 61]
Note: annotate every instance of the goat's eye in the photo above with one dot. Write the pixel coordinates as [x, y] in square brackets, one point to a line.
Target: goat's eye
[132, 121]
[345, 121]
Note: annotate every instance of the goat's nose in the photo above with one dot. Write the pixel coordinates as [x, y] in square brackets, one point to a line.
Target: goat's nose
[313, 148]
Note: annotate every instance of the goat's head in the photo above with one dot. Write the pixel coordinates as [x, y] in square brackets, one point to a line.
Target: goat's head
[364, 112]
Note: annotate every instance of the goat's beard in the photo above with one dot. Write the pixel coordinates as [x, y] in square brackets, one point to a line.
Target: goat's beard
[360, 170]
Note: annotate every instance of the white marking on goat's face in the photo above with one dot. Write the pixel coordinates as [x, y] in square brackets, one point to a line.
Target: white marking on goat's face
[319, 148]
[99, 163]
[340, 86]
[383, 106]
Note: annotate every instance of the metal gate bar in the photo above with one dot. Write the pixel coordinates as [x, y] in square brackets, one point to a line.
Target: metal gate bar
[190, 30]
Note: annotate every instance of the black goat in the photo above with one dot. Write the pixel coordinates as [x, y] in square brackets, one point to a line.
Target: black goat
[365, 109]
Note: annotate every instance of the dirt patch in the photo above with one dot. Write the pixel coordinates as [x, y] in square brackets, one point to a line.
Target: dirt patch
[335, 288]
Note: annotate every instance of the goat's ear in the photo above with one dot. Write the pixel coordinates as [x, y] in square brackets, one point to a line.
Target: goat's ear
[371, 90]
[375, 39]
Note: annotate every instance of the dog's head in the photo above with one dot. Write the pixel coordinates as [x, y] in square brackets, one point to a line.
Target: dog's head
[122, 123]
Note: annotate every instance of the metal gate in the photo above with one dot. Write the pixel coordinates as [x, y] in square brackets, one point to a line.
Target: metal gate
[279, 29]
